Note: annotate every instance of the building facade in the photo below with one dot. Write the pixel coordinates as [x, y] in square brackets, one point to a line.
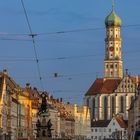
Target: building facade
[134, 115]
[15, 110]
[116, 128]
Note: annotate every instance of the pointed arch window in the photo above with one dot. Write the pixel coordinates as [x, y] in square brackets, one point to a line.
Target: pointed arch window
[105, 107]
[93, 108]
[88, 102]
[113, 105]
[122, 104]
[131, 99]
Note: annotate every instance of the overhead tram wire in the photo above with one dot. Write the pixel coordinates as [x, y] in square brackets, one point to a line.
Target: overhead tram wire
[61, 58]
[65, 31]
[34, 45]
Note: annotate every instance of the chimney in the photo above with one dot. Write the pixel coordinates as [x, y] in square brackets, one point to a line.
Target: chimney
[57, 100]
[28, 85]
[51, 97]
[35, 88]
[126, 71]
[61, 99]
[5, 72]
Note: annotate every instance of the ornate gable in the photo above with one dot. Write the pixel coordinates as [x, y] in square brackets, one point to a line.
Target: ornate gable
[127, 85]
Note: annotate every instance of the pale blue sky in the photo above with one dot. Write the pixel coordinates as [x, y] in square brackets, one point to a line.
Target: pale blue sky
[84, 51]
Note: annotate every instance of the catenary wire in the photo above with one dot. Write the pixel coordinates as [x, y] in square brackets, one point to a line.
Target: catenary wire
[66, 31]
[34, 45]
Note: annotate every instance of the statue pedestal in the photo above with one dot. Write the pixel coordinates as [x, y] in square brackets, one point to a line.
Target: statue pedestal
[44, 126]
[50, 139]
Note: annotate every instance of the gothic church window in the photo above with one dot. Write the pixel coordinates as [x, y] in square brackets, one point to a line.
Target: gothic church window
[131, 99]
[93, 108]
[105, 108]
[88, 102]
[122, 104]
[113, 105]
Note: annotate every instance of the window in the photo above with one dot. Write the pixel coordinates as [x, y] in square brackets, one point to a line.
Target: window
[131, 99]
[109, 130]
[122, 104]
[113, 105]
[107, 66]
[93, 108]
[88, 102]
[95, 130]
[105, 108]
[111, 66]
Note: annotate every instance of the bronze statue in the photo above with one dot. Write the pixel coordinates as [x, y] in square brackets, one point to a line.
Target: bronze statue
[43, 107]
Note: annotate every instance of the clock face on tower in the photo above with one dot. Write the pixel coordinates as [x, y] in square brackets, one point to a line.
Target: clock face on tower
[111, 49]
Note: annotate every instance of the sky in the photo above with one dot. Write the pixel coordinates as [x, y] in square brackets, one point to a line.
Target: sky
[69, 42]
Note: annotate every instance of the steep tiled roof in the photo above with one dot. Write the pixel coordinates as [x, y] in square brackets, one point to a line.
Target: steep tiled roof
[135, 79]
[100, 123]
[110, 85]
[96, 87]
[121, 122]
[99, 86]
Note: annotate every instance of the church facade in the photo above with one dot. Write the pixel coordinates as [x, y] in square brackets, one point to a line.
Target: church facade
[113, 93]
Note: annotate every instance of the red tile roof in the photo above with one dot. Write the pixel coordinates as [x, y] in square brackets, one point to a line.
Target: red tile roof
[135, 79]
[96, 87]
[110, 85]
[100, 123]
[100, 86]
[121, 122]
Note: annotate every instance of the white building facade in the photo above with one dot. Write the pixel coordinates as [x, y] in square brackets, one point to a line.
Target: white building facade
[114, 129]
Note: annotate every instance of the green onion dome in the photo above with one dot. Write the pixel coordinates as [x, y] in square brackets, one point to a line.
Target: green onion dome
[113, 19]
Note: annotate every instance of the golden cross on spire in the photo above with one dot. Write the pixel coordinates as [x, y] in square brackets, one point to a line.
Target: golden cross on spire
[113, 4]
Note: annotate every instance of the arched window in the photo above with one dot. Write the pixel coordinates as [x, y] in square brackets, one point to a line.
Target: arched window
[93, 108]
[113, 105]
[105, 108]
[122, 104]
[88, 102]
[131, 99]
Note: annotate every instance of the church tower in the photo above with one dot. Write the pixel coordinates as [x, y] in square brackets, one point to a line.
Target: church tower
[113, 65]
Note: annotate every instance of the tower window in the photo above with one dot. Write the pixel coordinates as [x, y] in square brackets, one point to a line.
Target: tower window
[111, 66]
[116, 65]
[111, 73]
[107, 66]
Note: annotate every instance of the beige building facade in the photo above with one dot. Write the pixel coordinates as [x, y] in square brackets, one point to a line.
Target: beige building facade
[134, 115]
